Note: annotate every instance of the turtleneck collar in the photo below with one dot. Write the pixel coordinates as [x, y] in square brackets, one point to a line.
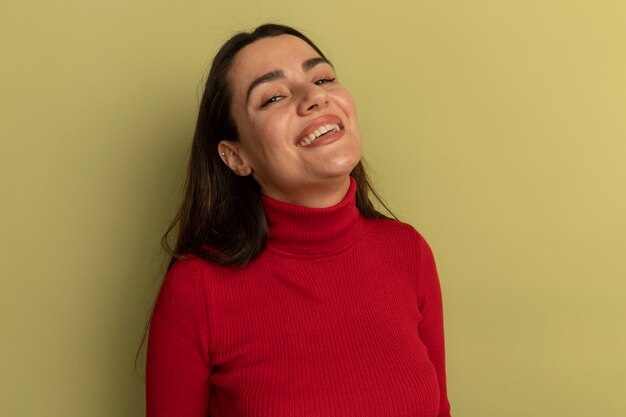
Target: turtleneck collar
[314, 232]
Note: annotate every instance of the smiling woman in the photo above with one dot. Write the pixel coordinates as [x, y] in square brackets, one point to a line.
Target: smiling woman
[288, 293]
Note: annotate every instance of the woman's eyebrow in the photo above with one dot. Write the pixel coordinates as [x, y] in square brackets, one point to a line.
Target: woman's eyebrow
[310, 63]
[265, 78]
[307, 66]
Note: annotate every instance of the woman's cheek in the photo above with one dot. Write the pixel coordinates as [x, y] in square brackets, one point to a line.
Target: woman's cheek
[346, 102]
[274, 130]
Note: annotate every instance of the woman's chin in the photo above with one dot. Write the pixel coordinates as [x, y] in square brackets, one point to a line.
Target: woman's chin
[340, 166]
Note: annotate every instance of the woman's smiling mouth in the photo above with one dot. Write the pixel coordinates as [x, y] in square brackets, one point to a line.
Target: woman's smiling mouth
[327, 126]
[319, 132]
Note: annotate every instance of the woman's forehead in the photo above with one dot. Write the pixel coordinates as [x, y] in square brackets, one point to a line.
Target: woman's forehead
[283, 53]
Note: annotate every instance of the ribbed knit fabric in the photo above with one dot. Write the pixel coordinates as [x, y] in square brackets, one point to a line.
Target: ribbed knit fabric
[340, 316]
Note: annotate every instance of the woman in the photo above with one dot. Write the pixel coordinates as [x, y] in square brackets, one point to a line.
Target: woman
[288, 293]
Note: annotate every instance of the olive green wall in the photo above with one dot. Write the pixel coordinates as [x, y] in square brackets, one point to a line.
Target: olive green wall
[497, 128]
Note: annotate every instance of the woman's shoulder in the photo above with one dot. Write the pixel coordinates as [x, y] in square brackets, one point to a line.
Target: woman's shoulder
[189, 272]
[402, 238]
[395, 229]
[186, 263]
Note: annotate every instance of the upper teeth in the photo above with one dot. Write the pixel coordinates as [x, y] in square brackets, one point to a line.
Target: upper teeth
[310, 138]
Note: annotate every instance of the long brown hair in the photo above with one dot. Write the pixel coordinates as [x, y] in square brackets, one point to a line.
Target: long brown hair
[221, 217]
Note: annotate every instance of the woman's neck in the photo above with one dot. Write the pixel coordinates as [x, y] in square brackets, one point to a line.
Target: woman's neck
[323, 194]
[313, 232]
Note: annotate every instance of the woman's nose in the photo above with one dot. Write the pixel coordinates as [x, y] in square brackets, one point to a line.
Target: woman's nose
[314, 98]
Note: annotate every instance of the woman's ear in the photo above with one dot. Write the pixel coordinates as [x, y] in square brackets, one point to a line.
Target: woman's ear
[229, 152]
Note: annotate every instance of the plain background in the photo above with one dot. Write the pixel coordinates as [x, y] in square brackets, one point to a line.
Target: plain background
[496, 127]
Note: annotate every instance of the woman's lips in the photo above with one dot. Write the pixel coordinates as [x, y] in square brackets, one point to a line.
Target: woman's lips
[323, 128]
[320, 133]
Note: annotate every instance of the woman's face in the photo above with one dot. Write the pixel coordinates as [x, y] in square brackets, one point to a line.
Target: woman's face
[298, 130]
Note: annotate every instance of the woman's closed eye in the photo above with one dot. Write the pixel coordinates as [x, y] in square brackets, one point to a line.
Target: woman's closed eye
[324, 80]
[272, 99]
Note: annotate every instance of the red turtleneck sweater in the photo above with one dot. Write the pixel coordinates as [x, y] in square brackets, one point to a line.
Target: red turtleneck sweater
[339, 316]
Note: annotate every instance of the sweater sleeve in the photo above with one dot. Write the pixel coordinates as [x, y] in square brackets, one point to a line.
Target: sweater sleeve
[178, 364]
[431, 325]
